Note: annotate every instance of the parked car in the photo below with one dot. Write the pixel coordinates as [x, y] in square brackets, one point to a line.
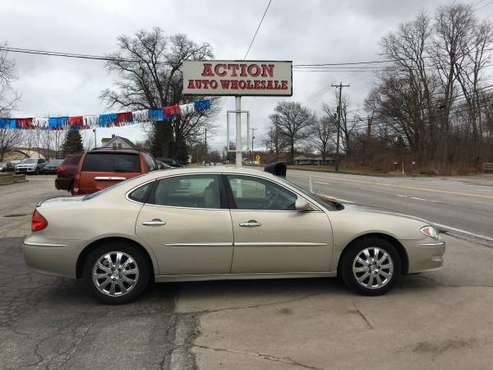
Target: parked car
[163, 166]
[30, 165]
[101, 168]
[51, 166]
[67, 171]
[7, 166]
[222, 223]
[170, 162]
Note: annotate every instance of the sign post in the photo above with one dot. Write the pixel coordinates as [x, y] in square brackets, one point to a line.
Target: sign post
[237, 78]
[239, 152]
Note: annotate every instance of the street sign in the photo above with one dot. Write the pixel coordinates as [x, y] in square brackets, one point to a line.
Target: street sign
[258, 158]
[238, 78]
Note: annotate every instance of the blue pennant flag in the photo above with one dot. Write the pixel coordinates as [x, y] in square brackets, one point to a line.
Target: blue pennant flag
[156, 115]
[202, 105]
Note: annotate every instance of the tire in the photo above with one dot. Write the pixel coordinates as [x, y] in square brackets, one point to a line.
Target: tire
[366, 274]
[108, 287]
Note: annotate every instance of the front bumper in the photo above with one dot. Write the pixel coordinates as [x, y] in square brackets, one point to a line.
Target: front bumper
[48, 258]
[425, 255]
[25, 170]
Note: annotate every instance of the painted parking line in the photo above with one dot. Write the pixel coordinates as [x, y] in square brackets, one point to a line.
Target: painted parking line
[416, 188]
[417, 198]
[465, 232]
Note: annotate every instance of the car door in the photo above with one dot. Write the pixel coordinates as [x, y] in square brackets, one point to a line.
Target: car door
[187, 223]
[270, 236]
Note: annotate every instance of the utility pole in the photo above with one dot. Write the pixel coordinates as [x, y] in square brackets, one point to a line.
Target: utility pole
[95, 139]
[339, 113]
[205, 143]
[253, 138]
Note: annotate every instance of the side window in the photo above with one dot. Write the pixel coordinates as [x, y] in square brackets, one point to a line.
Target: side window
[140, 194]
[254, 193]
[200, 191]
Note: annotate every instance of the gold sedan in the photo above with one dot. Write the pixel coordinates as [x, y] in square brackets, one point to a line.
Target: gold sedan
[222, 223]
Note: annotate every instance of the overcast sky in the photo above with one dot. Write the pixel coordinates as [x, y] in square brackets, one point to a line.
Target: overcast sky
[308, 31]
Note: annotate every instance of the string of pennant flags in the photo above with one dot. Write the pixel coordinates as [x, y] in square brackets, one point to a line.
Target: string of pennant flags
[105, 119]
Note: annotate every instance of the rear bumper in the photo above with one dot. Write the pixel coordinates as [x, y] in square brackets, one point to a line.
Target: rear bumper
[62, 183]
[425, 255]
[52, 259]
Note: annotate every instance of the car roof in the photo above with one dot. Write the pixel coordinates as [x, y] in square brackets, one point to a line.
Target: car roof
[117, 151]
[255, 171]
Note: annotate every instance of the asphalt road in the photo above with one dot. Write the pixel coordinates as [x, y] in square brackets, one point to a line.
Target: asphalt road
[435, 320]
[462, 205]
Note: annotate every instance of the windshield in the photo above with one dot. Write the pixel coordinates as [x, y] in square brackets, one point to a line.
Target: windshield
[324, 201]
[29, 161]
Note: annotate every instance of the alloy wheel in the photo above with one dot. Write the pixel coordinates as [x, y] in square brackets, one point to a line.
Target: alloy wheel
[373, 268]
[115, 273]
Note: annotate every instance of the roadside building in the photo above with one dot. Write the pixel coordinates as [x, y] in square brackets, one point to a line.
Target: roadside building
[117, 142]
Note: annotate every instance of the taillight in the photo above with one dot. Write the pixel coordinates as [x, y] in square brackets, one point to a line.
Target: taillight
[60, 169]
[38, 221]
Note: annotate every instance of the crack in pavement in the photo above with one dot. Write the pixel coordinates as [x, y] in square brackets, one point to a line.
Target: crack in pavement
[362, 315]
[245, 307]
[264, 356]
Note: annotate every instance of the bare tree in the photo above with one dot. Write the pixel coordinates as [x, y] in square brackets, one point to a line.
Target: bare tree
[469, 70]
[9, 137]
[148, 65]
[323, 132]
[294, 122]
[275, 142]
[453, 26]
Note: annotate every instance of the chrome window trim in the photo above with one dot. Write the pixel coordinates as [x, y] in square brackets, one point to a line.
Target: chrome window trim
[168, 177]
[318, 207]
[281, 184]
[110, 178]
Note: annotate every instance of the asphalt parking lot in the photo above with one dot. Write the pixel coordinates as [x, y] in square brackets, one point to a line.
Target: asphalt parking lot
[434, 320]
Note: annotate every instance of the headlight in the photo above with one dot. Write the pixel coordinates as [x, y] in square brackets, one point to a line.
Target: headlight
[429, 231]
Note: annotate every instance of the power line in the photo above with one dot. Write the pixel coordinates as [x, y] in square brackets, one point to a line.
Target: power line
[64, 54]
[256, 31]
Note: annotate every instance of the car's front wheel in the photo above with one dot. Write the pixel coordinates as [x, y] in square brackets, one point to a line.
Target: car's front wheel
[371, 266]
[117, 272]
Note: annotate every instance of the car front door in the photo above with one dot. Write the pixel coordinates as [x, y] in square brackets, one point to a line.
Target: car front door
[270, 235]
[188, 225]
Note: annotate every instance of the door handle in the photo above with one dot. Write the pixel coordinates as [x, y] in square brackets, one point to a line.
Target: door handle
[154, 222]
[250, 223]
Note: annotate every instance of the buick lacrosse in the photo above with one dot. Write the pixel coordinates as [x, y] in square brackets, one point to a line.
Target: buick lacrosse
[222, 223]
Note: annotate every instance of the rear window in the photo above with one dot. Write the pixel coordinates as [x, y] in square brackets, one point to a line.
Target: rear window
[111, 162]
[73, 159]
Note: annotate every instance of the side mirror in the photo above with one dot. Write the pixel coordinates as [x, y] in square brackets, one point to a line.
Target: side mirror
[301, 205]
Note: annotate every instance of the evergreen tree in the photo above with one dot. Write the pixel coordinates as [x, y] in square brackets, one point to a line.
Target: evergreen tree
[73, 142]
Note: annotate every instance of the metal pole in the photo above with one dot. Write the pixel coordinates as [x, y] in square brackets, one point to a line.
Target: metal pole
[95, 140]
[339, 113]
[239, 155]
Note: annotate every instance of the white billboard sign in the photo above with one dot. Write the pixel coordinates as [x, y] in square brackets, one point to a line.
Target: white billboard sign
[238, 78]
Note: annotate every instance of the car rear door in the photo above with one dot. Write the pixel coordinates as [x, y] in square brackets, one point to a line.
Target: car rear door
[188, 225]
[100, 170]
[270, 235]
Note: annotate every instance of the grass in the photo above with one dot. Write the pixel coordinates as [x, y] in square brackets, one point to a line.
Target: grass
[349, 171]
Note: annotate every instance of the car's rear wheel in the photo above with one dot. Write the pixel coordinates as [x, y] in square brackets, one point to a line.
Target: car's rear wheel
[117, 272]
[371, 266]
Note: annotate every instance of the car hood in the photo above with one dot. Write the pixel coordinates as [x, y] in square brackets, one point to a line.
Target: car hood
[366, 209]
